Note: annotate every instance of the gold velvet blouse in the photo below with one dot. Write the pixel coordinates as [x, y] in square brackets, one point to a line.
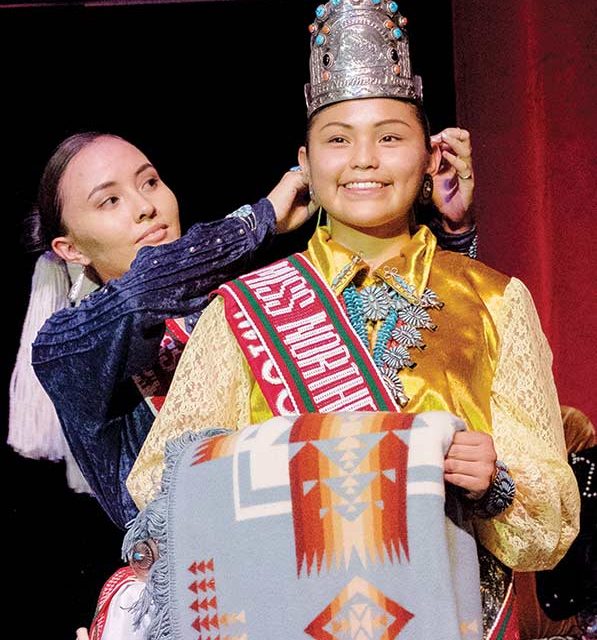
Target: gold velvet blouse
[488, 362]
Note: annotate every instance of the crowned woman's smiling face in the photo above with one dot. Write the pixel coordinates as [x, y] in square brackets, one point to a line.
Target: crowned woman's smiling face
[366, 160]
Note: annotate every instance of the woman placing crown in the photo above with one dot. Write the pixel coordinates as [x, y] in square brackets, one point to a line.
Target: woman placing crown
[375, 317]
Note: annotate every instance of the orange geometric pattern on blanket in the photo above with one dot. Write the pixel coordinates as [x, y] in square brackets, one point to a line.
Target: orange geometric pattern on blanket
[348, 487]
[209, 622]
[213, 448]
[360, 611]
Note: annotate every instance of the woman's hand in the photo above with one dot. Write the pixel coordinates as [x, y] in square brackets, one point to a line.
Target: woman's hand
[470, 463]
[454, 183]
[290, 198]
[82, 634]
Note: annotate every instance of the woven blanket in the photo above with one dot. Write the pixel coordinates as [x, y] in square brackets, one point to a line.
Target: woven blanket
[334, 527]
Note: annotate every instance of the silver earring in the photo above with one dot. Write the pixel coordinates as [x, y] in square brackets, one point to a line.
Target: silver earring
[73, 292]
[427, 189]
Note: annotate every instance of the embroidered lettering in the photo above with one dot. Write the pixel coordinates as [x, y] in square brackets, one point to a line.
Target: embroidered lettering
[333, 378]
[359, 399]
[282, 301]
[328, 362]
[302, 326]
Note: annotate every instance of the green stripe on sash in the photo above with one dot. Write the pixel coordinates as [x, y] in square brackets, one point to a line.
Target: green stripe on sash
[504, 625]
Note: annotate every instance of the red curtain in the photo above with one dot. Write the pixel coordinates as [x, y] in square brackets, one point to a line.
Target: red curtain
[526, 89]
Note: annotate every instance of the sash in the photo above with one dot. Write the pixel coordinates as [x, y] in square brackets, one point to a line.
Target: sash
[123, 576]
[299, 342]
[307, 358]
[505, 625]
[154, 383]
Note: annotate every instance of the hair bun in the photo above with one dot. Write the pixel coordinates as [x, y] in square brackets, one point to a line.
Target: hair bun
[33, 238]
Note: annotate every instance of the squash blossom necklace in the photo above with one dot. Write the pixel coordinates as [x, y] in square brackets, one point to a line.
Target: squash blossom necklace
[402, 314]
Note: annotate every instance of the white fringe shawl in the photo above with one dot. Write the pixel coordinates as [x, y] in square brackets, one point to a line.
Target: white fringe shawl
[34, 430]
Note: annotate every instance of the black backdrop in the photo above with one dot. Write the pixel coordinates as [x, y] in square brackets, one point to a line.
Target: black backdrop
[212, 92]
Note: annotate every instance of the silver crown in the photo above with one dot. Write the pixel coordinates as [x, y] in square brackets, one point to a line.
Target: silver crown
[359, 49]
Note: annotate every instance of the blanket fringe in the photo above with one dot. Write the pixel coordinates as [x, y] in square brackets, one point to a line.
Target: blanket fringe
[152, 523]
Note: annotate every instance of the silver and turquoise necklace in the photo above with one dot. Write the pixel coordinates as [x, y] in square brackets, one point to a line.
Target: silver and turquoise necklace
[402, 314]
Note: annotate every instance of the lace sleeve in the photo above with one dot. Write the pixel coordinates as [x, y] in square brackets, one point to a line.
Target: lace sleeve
[211, 388]
[535, 532]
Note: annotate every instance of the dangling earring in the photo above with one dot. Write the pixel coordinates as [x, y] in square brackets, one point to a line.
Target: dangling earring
[73, 293]
[426, 189]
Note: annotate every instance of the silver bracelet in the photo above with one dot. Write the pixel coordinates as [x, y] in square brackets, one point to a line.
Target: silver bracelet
[500, 494]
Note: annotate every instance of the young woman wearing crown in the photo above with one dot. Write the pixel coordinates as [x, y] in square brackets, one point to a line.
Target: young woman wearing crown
[429, 330]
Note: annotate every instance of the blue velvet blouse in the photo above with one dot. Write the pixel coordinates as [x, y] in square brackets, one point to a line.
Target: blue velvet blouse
[84, 357]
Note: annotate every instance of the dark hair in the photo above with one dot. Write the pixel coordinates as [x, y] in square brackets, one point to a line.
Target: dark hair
[44, 223]
[424, 122]
[419, 111]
